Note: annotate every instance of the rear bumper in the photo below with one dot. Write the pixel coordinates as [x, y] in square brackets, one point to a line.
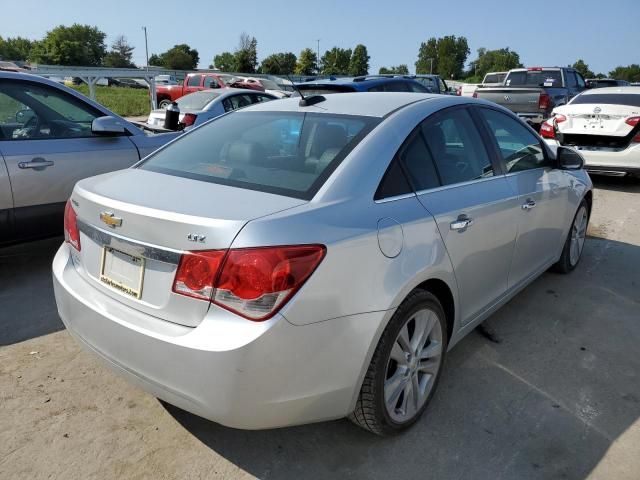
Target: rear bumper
[608, 162]
[232, 371]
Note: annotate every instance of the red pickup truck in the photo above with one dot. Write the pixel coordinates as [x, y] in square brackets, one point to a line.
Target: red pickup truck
[193, 82]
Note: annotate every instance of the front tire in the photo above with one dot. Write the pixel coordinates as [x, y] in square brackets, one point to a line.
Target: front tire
[574, 244]
[405, 367]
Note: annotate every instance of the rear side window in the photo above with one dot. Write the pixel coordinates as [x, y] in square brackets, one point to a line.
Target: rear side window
[456, 146]
[419, 163]
[393, 183]
[286, 153]
[210, 82]
[520, 149]
[630, 99]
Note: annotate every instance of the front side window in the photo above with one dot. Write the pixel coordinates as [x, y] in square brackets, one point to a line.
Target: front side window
[35, 111]
[520, 149]
[286, 153]
[194, 81]
[456, 146]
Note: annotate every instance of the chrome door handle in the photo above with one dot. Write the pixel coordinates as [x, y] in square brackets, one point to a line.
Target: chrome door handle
[37, 163]
[528, 205]
[461, 223]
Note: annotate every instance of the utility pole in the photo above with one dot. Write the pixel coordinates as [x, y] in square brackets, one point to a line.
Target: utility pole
[431, 67]
[146, 46]
[318, 56]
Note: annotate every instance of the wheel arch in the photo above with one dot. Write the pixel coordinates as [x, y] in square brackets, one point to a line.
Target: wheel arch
[443, 293]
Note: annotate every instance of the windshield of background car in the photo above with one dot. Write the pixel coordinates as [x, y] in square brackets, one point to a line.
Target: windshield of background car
[286, 153]
[196, 100]
[537, 78]
[494, 78]
[269, 84]
[308, 90]
[629, 99]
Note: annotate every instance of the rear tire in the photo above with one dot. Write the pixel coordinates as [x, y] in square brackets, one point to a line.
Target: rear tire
[164, 104]
[405, 368]
[574, 244]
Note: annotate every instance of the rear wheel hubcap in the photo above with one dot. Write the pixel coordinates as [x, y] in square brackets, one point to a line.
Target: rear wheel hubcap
[413, 365]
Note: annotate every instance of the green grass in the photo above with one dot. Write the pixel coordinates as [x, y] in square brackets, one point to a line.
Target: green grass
[127, 102]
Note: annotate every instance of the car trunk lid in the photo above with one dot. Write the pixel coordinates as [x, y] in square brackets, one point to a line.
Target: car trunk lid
[519, 100]
[596, 119]
[132, 238]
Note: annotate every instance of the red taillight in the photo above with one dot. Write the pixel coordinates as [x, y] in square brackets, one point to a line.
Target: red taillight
[252, 282]
[197, 273]
[636, 139]
[547, 130]
[559, 118]
[475, 94]
[544, 102]
[71, 232]
[632, 121]
[189, 119]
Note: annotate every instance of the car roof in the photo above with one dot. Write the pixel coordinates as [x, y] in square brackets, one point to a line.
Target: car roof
[612, 90]
[358, 82]
[369, 104]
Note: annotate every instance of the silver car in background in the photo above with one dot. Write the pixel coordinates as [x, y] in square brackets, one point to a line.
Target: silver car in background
[50, 137]
[199, 107]
[311, 259]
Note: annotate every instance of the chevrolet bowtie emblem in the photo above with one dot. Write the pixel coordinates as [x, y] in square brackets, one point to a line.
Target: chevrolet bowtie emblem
[110, 219]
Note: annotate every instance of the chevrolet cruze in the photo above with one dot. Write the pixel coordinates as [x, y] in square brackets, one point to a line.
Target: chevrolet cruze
[311, 259]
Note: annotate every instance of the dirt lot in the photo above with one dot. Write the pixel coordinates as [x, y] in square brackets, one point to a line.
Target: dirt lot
[554, 394]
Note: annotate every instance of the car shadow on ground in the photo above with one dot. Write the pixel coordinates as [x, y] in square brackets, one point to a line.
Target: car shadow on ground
[26, 291]
[544, 395]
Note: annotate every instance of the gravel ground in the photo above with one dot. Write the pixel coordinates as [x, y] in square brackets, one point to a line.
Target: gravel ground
[552, 392]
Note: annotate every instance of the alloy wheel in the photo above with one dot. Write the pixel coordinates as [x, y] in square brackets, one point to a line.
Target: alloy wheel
[578, 235]
[413, 365]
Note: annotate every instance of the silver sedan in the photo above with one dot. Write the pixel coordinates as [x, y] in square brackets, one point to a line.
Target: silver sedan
[311, 259]
[199, 107]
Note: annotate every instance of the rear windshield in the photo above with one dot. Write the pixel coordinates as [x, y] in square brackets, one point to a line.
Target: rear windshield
[286, 153]
[494, 77]
[630, 99]
[535, 78]
[196, 100]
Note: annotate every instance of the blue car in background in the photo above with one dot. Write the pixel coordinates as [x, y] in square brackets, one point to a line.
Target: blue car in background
[361, 84]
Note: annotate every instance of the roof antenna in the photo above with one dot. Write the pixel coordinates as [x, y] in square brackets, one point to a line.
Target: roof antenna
[304, 101]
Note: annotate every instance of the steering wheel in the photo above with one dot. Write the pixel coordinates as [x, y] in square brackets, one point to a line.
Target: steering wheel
[33, 127]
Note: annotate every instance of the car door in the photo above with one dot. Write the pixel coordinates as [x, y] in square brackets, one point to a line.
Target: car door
[457, 182]
[47, 145]
[542, 192]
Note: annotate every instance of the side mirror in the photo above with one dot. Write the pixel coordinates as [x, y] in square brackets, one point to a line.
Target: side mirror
[569, 159]
[107, 126]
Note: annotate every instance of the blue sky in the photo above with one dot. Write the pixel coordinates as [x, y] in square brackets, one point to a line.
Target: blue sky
[604, 34]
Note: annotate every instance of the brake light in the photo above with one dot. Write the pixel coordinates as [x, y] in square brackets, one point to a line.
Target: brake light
[71, 232]
[559, 118]
[197, 273]
[632, 121]
[636, 139]
[547, 130]
[189, 119]
[544, 102]
[252, 282]
[475, 94]
[534, 69]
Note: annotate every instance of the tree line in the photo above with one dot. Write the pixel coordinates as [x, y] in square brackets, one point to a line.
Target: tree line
[337, 61]
[84, 45]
